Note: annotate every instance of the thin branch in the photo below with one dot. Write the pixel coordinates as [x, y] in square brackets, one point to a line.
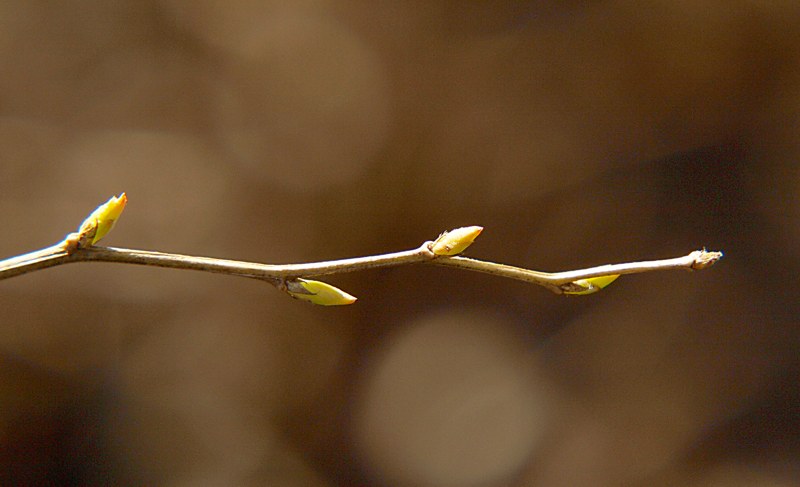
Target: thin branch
[34, 261]
[274, 272]
[58, 255]
[560, 281]
[291, 278]
[557, 282]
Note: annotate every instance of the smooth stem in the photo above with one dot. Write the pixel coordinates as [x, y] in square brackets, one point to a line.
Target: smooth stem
[33, 261]
[699, 259]
[252, 269]
[276, 273]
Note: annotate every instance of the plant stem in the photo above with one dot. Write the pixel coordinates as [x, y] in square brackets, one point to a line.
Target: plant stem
[34, 261]
[251, 269]
[555, 281]
[276, 274]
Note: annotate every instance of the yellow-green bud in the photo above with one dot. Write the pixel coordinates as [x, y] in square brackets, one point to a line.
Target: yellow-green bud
[102, 220]
[318, 292]
[455, 241]
[591, 285]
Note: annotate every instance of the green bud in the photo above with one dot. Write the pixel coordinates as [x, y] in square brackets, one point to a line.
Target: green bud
[318, 292]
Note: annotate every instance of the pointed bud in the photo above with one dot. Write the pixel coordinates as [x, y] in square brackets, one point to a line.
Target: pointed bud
[455, 241]
[102, 220]
[318, 292]
[704, 258]
[591, 285]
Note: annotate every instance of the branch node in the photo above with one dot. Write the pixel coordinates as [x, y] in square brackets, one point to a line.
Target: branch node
[72, 243]
[427, 250]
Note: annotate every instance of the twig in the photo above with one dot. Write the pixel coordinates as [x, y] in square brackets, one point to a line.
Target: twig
[80, 247]
[559, 282]
[57, 255]
[34, 261]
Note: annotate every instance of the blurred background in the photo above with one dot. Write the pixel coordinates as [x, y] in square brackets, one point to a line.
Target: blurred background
[577, 133]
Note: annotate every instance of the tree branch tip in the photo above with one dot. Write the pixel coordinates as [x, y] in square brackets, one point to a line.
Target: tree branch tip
[705, 258]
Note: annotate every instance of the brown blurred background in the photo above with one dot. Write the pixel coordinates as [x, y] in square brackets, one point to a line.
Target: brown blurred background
[576, 133]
